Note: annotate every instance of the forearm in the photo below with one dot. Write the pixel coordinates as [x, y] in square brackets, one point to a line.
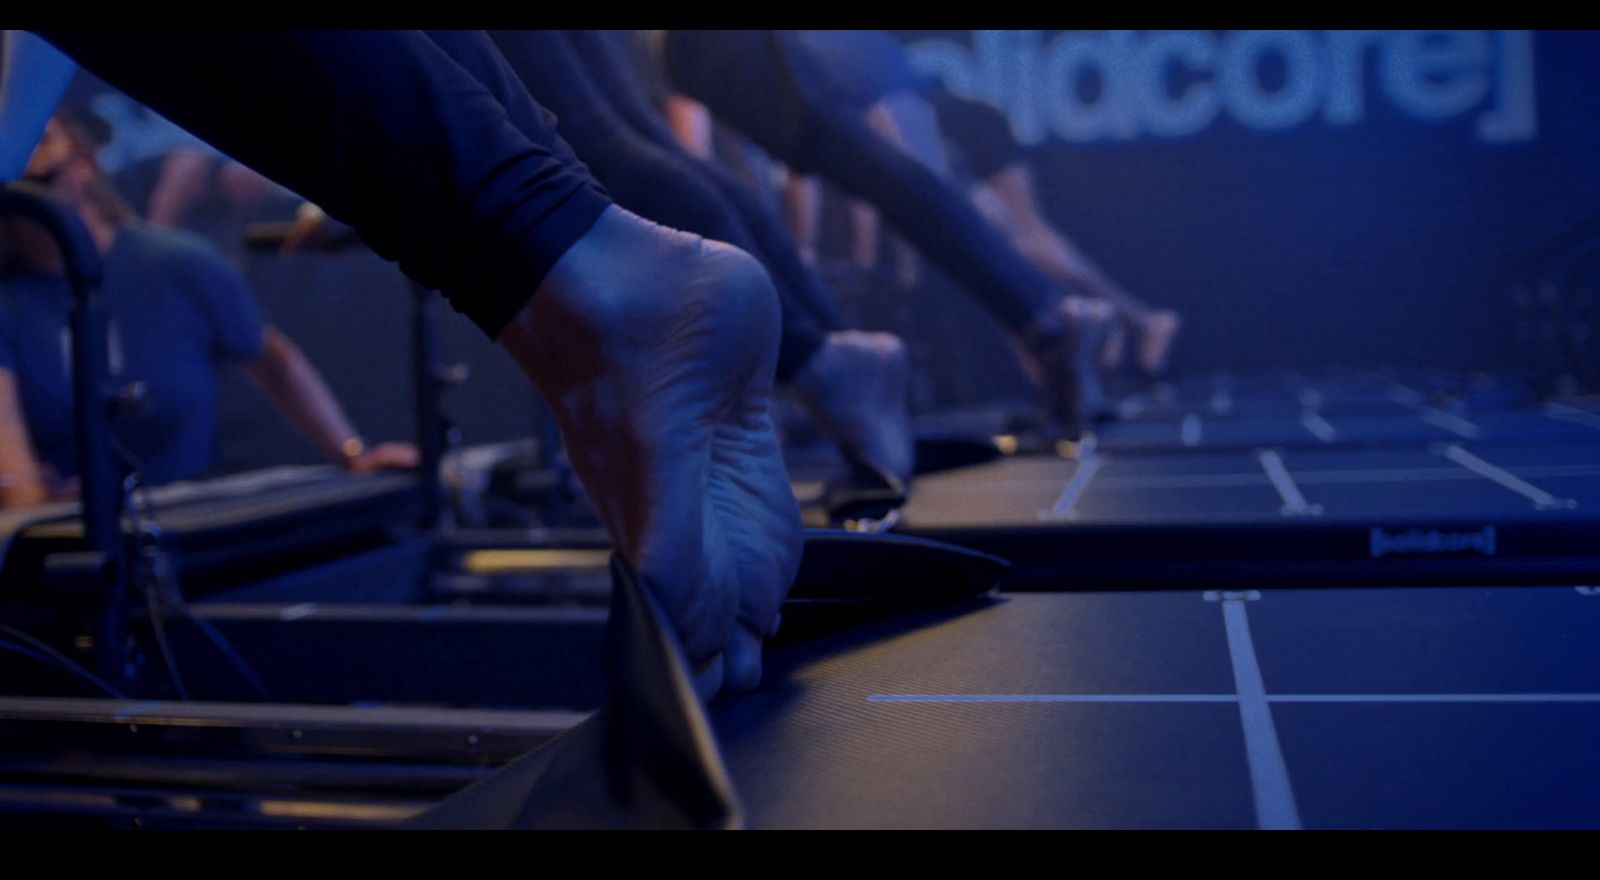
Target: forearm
[299, 393]
[35, 78]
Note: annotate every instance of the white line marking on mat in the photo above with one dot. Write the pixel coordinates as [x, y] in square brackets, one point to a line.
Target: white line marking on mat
[1087, 467]
[1540, 498]
[1269, 775]
[1294, 503]
[1318, 426]
[1452, 423]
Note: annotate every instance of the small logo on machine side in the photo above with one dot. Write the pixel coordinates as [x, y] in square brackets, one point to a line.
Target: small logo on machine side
[1432, 542]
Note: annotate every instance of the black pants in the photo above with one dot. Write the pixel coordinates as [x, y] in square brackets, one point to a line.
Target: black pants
[764, 84]
[608, 120]
[617, 71]
[428, 146]
[980, 134]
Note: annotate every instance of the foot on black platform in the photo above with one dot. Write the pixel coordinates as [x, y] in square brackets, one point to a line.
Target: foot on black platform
[647, 760]
[655, 350]
[1156, 334]
[1114, 352]
[857, 387]
[1065, 346]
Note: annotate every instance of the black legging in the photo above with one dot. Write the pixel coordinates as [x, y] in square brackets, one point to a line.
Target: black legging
[456, 174]
[616, 72]
[764, 84]
[658, 182]
[980, 134]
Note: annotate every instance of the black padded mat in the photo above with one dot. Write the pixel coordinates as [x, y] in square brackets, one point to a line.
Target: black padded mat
[1326, 430]
[812, 750]
[1362, 485]
[1190, 710]
[1279, 394]
[1452, 513]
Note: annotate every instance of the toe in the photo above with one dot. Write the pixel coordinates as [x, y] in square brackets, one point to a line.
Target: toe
[709, 678]
[742, 667]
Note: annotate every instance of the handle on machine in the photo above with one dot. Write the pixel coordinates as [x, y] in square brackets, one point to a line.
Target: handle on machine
[94, 401]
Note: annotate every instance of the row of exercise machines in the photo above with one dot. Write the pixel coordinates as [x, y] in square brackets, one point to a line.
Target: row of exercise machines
[302, 648]
[187, 654]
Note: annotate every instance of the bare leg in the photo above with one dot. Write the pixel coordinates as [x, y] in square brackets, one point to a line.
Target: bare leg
[1006, 197]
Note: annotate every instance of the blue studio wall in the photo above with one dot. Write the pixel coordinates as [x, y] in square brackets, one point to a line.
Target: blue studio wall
[1307, 197]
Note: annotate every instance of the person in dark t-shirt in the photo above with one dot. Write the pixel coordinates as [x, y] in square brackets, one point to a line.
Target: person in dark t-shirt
[177, 314]
[654, 348]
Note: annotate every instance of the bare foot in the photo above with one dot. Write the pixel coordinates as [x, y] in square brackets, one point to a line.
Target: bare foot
[857, 387]
[1116, 347]
[655, 350]
[1063, 351]
[1157, 333]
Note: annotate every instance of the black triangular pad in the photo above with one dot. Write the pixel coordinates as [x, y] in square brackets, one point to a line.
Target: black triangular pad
[849, 577]
[647, 759]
